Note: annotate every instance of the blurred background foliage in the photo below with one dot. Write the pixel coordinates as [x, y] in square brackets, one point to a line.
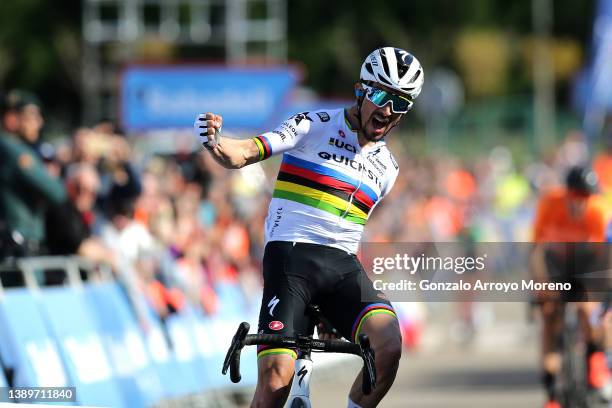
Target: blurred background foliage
[40, 50]
[490, 44]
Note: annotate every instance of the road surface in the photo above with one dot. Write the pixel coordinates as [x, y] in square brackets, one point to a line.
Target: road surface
[497, 369]
[503, 378]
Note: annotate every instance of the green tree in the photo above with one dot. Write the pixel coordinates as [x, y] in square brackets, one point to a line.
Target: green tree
[40, 51]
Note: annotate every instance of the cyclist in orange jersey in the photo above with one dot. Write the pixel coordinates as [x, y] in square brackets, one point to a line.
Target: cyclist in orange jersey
[567, 220]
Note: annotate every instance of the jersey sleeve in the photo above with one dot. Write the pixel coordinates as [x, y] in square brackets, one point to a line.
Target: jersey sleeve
[597, 222]
[387, 186]
[285, 137]
[393, 176]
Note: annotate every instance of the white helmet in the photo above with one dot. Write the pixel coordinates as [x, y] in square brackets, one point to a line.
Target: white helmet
[394, 68]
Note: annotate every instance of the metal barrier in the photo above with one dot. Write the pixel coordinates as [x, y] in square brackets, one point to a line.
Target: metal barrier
[72, 265]
[88, 315]
[86, 327]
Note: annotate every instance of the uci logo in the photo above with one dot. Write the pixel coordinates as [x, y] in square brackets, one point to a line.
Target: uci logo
[341, 144]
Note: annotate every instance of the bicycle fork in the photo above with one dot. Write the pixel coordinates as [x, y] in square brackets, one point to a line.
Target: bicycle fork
[299, 396]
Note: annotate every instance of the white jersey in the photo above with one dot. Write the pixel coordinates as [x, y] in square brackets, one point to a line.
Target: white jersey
[327, 184]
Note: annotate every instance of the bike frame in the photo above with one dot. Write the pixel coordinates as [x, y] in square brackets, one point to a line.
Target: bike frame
[299, 396]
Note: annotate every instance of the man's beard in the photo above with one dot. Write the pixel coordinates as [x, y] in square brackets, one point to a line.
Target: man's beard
[373, 138]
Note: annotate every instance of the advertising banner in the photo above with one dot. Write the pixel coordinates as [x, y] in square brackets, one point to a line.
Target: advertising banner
[158, 97]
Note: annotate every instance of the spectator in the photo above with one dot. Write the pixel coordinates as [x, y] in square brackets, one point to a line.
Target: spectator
[26, 187]
[120, 180]
[132, 244]
[69, 225]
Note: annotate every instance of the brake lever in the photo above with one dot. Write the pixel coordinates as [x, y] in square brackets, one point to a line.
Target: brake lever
[369, 365]
[232, 358]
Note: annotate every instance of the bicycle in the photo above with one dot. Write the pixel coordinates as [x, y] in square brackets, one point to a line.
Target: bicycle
[299, 396]
[573, 387]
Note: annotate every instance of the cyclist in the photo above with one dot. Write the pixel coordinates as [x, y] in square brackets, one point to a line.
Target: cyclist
[567, 219]
[336, 167]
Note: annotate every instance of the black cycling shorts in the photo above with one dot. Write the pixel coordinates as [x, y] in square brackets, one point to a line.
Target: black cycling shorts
[572, 263]
[299, 274]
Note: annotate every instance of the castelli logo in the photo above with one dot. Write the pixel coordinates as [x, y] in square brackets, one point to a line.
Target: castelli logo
[341, 133]
[276, 325]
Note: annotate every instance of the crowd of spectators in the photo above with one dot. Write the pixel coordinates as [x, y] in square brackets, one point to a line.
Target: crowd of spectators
[166, 225]
[174, 226]
[488, 198]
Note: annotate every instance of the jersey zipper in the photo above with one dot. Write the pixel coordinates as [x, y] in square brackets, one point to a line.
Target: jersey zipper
[351, 197]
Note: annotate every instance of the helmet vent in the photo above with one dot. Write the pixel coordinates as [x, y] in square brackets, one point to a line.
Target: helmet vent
[404, 60]
[369, 68]
[402, 69]
[384, 80]
[385, 64]
[414, 78]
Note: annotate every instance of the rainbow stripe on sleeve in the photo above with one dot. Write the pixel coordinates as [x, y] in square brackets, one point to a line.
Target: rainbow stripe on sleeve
[263, 351]
[264, 146]
[323, 188]
[370, 310]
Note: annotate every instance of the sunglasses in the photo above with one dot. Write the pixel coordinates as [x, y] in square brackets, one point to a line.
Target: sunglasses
[379, 97]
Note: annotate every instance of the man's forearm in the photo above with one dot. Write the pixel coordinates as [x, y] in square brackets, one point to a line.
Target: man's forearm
[537, 263]
[235, 153]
